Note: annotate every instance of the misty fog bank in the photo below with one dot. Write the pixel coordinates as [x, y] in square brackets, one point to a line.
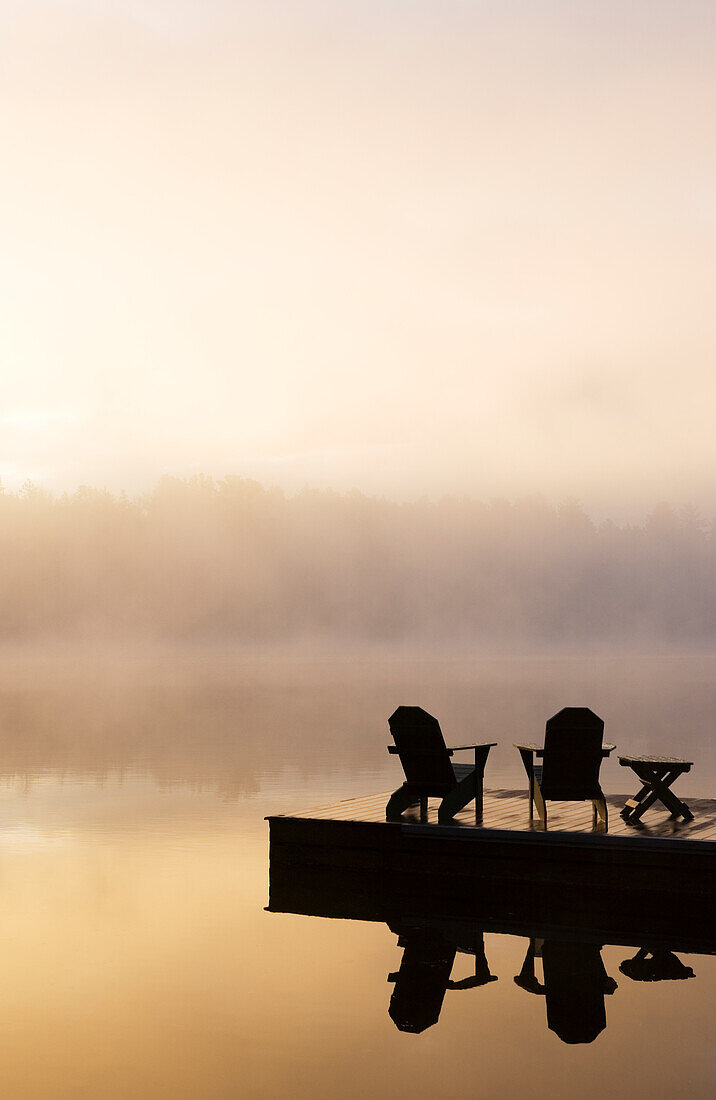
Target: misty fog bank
[230, 562]
[235, 725]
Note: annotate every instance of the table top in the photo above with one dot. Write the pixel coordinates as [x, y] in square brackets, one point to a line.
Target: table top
[625, 761]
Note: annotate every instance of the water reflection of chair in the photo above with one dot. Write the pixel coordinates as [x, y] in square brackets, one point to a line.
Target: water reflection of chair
[571, 758]
[424, 975]
[574, 986]
[655, 966]
[428, 769]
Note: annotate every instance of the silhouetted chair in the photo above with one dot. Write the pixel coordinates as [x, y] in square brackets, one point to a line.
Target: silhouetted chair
[574, 986]
[570, 762]
[655, 966]
[422, 980]
[424, 974]
[428, 769]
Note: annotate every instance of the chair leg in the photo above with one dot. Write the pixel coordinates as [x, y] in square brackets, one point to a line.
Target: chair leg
[481, 755]
[457, 798]
[540, 803]
[599, 806]
[528, 764]
[399, 801]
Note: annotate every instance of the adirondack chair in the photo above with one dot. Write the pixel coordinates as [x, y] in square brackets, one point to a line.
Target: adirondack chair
[574, 987]
[570, 762]
[422, 981]
[428, 769]
[429, 951]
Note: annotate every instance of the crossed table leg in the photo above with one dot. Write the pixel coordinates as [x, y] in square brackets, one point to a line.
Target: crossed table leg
[657, 773]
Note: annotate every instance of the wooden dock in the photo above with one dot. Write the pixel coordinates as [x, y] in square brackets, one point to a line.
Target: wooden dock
[509, 810]
[655, 882]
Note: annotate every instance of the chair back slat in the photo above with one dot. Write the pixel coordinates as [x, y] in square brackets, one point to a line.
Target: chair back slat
[421, 982]
[421, 748]
[575, 983]
[572, 754]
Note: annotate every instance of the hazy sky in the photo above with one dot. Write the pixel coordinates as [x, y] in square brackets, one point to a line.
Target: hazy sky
[413, 246]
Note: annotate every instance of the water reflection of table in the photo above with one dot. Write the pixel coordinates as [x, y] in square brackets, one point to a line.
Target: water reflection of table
[659, 965]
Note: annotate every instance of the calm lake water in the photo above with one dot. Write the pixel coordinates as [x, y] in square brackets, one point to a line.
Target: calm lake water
[139, 960]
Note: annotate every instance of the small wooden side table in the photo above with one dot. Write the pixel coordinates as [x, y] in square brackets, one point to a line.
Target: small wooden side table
[656, 773]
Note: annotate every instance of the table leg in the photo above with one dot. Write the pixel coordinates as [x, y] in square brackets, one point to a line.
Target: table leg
[647, 795]
[633, 803]
[670, 800]
[656, 782]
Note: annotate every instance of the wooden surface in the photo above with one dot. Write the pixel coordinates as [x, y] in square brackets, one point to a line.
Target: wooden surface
[627, 761]
[509, 810]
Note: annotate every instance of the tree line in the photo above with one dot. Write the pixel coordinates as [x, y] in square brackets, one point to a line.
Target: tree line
[201, 559]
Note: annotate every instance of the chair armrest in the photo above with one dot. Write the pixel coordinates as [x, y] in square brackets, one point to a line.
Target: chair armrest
[481, 745]
[471, 983]
[529, 746]
[606, 749]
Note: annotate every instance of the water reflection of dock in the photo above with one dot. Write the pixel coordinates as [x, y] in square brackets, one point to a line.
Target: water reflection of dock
[570, 893]
[652, 885]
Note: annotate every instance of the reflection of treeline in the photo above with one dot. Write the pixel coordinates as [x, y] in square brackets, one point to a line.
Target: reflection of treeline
[229, 721]
[203, 559]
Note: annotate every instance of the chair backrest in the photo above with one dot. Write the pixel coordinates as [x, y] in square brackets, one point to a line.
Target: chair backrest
[422, 751]
[572, 754]
[574, 985]
[421, 982]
